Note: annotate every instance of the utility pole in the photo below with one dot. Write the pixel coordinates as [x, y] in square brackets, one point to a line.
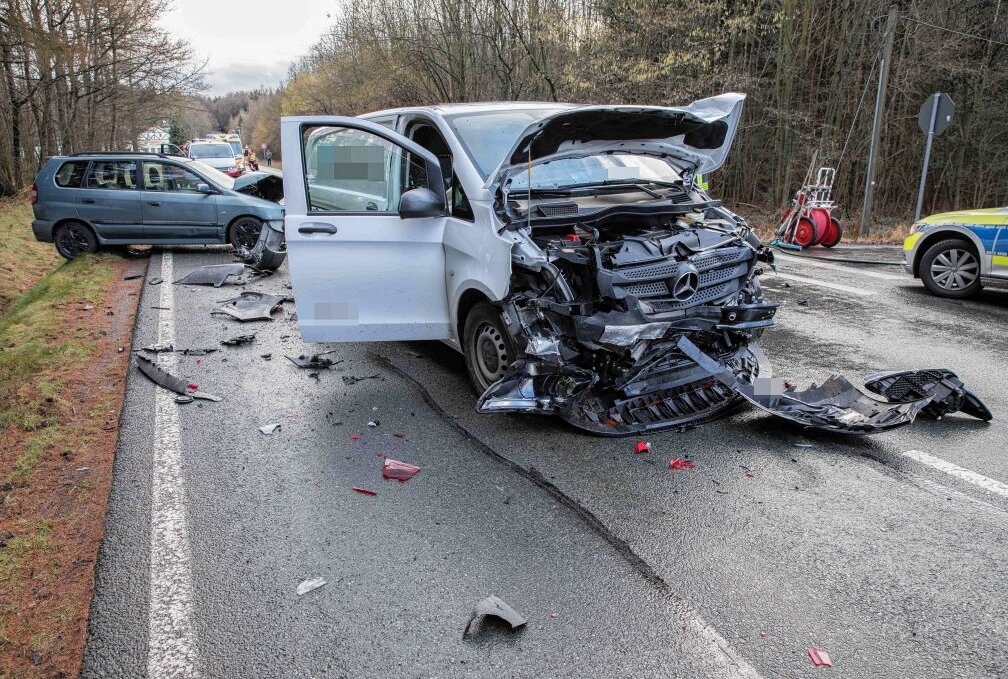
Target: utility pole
[887, 46]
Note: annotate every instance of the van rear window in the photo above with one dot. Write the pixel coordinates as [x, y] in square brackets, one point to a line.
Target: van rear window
[71, 174]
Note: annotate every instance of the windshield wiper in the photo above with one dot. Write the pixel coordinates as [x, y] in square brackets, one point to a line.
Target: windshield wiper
[635, 184]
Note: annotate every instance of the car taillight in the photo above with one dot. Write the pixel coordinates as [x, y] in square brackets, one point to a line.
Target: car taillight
[234, 172]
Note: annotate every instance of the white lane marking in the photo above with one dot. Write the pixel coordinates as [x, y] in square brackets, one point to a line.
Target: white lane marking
[976, 479]
[846, 269]
[726, 659]
[172, 644]
[823, 284]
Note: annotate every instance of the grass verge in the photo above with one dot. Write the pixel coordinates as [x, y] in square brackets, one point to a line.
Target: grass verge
[61, 378]
[23, 260]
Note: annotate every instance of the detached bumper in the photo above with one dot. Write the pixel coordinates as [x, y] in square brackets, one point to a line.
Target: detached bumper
[43, 230]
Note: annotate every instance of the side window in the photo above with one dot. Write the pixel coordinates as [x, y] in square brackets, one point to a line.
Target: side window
[71, 174]
[460, 206]
[170, 177]
[348, 170]
[112, 174]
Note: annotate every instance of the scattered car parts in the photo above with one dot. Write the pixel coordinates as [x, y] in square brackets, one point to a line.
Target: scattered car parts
[948, 393]
[166, 380]
[497, 608]
[238, 340]
[315, 361]
[214, 274]
[310, 585]
[398, 471]
[251, 306]
[269, 429]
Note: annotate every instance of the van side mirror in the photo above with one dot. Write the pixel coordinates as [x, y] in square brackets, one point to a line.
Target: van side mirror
[421, 202]
[203, 188]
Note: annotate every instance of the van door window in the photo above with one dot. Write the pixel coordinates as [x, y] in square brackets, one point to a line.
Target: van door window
[169, 177]
[350, 170]
[112, 174]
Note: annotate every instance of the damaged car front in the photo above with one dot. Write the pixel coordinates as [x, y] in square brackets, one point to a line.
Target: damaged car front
[621, 254]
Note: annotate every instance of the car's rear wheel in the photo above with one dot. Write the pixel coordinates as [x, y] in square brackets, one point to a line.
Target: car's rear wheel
[486, 346]
[244, 233]
[73, 239]
[950, 268]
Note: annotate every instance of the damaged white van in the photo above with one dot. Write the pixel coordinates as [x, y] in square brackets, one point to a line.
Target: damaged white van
[567, 251]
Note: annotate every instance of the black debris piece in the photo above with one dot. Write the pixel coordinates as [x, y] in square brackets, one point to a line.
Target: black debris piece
[251, 306]
[158, 348]
[214, 274]
[196, 352]
[947, 392]
[164, 379]
[155, 280]
[803, 302]
[238, 339]
[315, 361]
[132, 276]
[836, 405]
[314, 375]
[494, 606]
[353, 379]
[266, 356]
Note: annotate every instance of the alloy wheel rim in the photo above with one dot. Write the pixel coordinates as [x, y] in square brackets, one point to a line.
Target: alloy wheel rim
[490, 353]
[246, 234]
[954, 269]
[72, 241]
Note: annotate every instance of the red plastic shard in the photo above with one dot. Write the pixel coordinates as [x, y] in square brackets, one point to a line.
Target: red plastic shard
[193, 386]
[400, 471]
[643, 447]
[677, 463]
[819, 657]
[354, 436]
[364, 491]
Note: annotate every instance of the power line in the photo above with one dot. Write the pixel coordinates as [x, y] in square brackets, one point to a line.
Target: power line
[952, 30]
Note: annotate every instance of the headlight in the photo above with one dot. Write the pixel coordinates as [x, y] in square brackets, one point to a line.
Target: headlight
[916, 227]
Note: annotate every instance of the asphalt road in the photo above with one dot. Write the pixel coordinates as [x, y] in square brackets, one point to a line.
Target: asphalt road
[890, 561]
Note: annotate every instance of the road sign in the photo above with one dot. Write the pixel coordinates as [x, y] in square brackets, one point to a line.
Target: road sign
[937, 107]
[934, 118]
[263, 146]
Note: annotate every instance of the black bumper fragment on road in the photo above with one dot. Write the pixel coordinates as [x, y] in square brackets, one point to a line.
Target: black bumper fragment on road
[494, 606]
[166, 380]
[214, 274]
[948, 393]
[251, 306]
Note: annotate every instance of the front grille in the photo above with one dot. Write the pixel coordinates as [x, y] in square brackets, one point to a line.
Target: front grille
[720, 274]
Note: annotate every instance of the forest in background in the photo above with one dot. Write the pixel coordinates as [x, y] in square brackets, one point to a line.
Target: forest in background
[809, 69]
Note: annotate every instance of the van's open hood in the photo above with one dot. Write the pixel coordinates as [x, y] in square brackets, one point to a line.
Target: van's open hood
[261, 185]
[698, 135]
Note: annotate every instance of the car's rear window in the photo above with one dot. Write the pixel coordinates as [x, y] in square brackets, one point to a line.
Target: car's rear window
[71, 174]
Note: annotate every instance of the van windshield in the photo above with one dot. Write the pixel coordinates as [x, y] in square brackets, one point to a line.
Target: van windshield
[488, 136]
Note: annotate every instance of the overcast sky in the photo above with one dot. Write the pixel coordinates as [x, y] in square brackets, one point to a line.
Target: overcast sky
[248, 42]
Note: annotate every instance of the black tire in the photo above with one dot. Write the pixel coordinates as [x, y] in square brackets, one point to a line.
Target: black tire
[244, 233]
[951, 268]
[486, 346]
[73, 238]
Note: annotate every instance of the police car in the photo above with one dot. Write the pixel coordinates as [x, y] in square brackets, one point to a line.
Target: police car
[955, 253]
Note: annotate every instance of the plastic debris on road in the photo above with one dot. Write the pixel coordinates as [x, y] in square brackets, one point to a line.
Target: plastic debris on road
[213, 274]
[310, 585]
[251, 306]
[269, 429]
[819, 657]
[364, 491]
[238, 339]
[494, 606]
[678, 463]
[162, 378]
[398, 471]
[643, 447]
[372, 423]
[315, 361]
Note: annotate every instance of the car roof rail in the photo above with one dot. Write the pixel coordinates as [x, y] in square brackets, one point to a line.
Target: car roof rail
[125, 153]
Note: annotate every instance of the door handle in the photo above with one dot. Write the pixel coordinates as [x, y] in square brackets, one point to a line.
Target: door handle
[318, 228]
[154, 203]
[89, 201]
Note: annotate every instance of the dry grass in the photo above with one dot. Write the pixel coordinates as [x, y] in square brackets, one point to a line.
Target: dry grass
[23, 260]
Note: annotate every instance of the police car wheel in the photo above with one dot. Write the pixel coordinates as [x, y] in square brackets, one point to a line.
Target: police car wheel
[951, 268]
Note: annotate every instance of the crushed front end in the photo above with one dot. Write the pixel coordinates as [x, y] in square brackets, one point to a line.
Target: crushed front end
[598, 306]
